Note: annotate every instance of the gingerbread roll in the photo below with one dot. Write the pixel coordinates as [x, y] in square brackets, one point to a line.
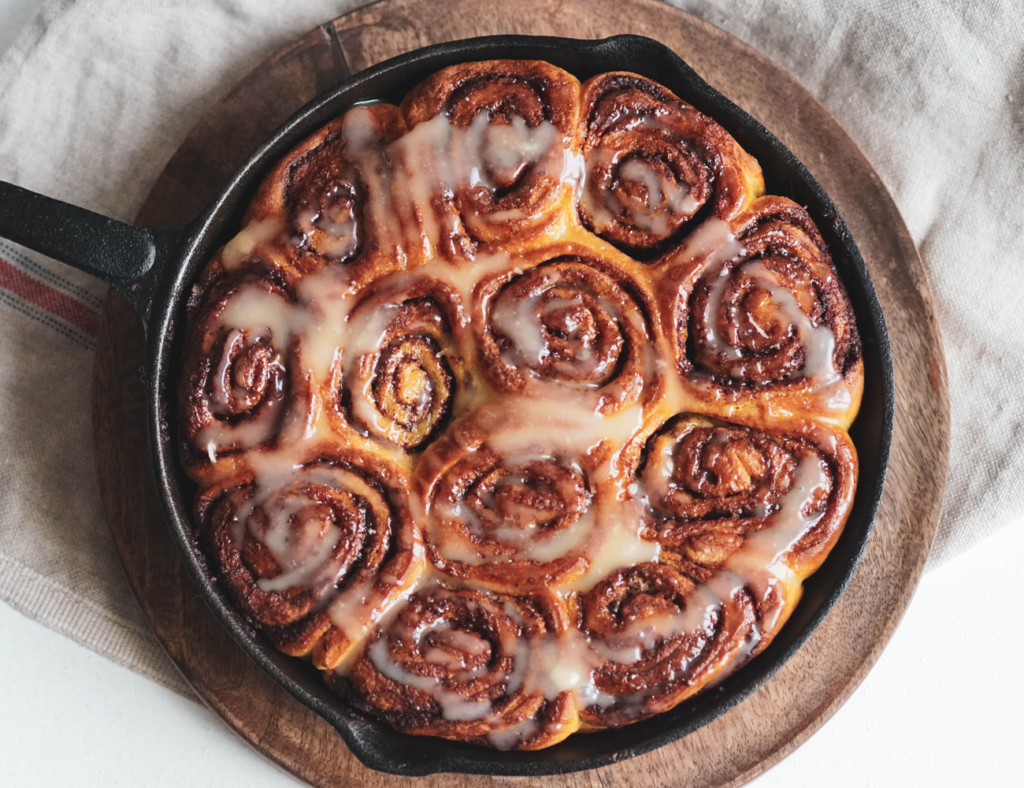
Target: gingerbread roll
[312, 554]
[500, 137]
[456, 664]
[653, 162]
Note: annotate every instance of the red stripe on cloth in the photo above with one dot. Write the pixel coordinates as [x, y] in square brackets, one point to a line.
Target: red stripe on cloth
[16, 281]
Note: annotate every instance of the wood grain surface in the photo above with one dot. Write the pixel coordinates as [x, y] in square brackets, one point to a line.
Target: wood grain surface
[821, 676]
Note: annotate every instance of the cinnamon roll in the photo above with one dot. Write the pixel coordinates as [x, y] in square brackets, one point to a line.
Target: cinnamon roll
[653, 162]
[712, 491]
[312, 556]
[505, 136]
[403, 369]
[572, 326]
[659, 636]
[324, 203]
[506, 508]
[516, 408]
[759, 314]
[243, 385]
[454, 663]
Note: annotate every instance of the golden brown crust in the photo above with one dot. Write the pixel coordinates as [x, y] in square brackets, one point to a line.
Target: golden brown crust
[709, 487]
[240, 389]
[682, 638]
[502, 478]
[568, 323]
[318, 194]
[506, 514]
[401, 378]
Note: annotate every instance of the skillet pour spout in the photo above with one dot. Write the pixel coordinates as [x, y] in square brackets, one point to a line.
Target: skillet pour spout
[154, 270]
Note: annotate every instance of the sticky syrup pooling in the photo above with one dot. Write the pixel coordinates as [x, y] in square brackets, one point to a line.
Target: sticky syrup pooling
[557, 496]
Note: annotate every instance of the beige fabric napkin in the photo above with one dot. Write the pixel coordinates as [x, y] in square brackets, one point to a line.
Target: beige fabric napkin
[96, 95]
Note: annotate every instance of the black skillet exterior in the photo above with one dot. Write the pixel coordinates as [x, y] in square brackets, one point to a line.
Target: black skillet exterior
[161, 296]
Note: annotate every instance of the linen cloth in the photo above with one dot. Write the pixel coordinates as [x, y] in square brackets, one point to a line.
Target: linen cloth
[96, 95]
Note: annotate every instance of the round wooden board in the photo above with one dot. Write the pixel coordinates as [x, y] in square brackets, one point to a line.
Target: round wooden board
[822, 675]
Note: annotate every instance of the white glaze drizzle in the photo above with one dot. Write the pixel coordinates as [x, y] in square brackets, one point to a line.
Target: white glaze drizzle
[254, 235]
[301, 564]
[453, 705]
[788, 522]
[436, 158]
[521, 322]
[620, 545]
[570, 425]
[532, 542]
[365, 337]
[464, 279]
[713, 241]
[250, 314]
[555, 430]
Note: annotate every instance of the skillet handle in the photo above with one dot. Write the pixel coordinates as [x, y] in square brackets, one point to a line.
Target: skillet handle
[125, 257]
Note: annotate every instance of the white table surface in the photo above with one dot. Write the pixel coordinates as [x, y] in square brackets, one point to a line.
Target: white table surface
[943, 706]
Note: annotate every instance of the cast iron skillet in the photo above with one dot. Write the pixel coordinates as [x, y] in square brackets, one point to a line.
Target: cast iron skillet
[155, 269]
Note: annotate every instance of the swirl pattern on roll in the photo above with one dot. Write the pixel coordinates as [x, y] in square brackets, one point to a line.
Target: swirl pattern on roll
[769, 314]
[653, 162]
[565, 327]
[505, 514]
[516, 409]
[507, 130]
[403, 363]
[321, 195]
[660, 636]
[324, 195]
[312, 556]
[241, 382]
[712, 488]
[454, 664]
